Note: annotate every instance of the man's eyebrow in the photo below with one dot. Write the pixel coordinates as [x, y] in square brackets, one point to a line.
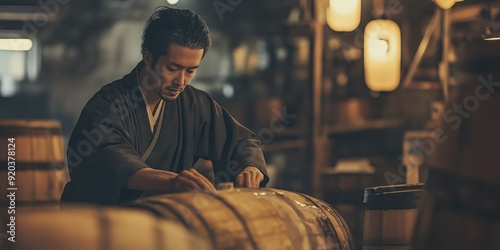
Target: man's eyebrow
[183, 67]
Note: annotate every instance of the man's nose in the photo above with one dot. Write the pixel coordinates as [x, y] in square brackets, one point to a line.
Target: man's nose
[180, 78]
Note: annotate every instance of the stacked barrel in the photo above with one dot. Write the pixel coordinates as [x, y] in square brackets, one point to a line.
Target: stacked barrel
[33, 162]
[33, 171]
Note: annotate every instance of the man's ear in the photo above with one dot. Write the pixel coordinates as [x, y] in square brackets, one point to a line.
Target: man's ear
[147, 57]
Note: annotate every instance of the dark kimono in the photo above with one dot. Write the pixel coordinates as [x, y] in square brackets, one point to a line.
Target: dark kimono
[112, 138]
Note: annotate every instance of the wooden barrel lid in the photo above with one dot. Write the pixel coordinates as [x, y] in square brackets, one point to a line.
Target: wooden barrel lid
[29, 127]
[405, 196]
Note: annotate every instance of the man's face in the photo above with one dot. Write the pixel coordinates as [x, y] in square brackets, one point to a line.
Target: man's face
[173, 71]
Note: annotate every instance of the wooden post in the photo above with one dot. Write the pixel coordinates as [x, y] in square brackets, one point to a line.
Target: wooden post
[317, 139]
[446, 35]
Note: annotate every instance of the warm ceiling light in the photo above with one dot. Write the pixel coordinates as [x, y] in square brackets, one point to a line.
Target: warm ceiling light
[16, 44]
[446, 4]
[172, 1]
[382, 56]
[343, 15]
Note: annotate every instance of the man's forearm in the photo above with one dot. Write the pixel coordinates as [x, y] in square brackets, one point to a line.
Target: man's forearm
[150, 179]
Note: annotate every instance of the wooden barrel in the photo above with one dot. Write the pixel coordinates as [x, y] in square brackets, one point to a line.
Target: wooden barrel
[255, 219]
[390, 213]
[32, 155]
[461, 206]
[100, 228]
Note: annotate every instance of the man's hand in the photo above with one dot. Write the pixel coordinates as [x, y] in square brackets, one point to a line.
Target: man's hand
[250, 177]
[189, 180]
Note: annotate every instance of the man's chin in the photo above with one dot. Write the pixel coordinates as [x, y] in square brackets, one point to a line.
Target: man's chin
[169, 98]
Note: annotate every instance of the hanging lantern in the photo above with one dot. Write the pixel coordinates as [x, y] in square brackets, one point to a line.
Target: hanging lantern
[446, 4]
[343, 15]
[382, 55]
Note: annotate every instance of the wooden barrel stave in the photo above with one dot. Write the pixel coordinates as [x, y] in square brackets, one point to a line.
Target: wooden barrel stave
[390, 216]
[40, 168]
[333, 225]
[255, 219]
[40, 165]
[88, 227]
[37, 185]
[233, 222]
[397, 233]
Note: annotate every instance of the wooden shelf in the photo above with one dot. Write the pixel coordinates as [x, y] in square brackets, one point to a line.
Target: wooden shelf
[292, 132]
[286, 133]
[365, 126]
[284, 145]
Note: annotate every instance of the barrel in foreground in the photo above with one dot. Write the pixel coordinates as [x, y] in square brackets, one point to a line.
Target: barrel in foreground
[255, 219]
[100, 228]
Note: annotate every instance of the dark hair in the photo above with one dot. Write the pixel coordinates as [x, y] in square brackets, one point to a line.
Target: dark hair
[175, 26]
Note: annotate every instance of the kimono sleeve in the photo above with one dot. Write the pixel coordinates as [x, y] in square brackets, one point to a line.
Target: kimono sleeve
[229, 145]
[101, 156]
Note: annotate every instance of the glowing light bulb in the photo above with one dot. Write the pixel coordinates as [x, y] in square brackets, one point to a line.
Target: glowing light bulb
[16, 44]
[382, 57]
[446, 4]
[344, 6]
[343, 15]
[378, 47]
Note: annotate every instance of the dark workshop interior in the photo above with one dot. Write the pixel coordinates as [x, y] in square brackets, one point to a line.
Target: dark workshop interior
[378, 121]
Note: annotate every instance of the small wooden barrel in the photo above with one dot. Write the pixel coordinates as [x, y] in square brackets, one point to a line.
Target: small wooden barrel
[390, 213]
[36, 164]
[255, 219]
[106, 228]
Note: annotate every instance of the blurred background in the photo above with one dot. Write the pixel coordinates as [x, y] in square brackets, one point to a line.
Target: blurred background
[340, 104]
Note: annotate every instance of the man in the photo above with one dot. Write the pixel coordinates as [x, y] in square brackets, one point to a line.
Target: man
[145, 131]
